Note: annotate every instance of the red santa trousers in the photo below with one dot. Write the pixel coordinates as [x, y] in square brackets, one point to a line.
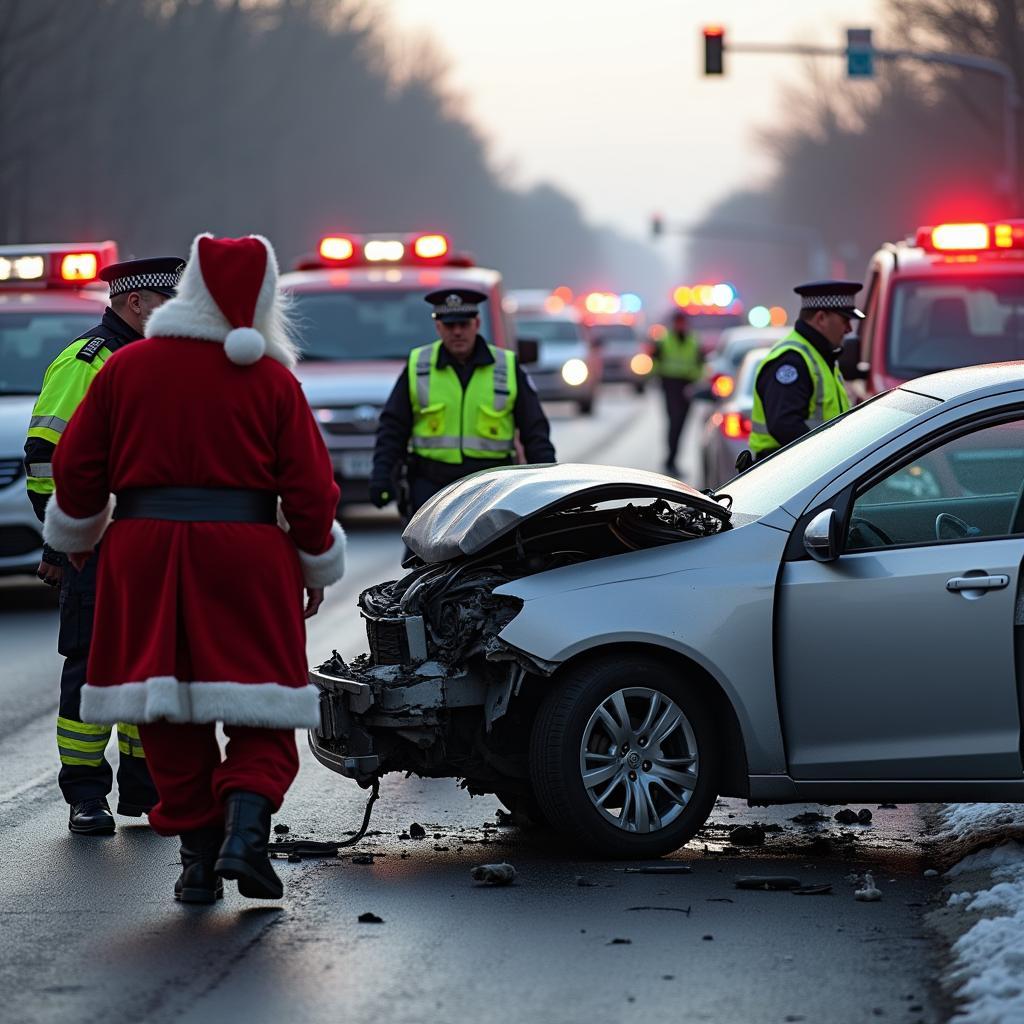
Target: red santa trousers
[193, 781]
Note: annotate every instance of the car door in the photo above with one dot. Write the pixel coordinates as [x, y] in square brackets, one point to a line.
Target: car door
[899, 660]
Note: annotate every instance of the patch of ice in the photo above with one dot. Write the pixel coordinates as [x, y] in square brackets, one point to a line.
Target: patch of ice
[1008, 854]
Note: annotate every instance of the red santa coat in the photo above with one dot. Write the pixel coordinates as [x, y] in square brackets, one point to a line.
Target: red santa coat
[197, 622]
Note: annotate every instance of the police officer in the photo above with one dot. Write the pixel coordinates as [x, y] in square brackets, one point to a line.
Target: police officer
[137, 287]
[455, 408]
[799, 385]
[678, 361]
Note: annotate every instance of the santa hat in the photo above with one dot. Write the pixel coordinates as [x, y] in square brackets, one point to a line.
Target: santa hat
[228, 293]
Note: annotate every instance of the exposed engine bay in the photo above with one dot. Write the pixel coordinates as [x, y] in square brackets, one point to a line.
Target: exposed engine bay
[440, 694]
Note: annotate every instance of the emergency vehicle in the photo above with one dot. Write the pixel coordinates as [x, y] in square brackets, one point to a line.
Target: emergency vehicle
[49, 296]
[951, 296]
[359, 306]
[615, 326]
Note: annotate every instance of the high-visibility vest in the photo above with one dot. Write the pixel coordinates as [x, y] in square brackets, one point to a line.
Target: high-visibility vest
[679, 356]
[65, 383]
[828, 397]
[451, 423]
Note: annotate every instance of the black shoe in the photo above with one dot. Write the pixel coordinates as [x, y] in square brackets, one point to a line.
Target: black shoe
[128, 810]
[244, 856]
[198, 882]
[91, 818]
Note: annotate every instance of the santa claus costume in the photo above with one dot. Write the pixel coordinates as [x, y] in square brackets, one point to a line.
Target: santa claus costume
[176, 459]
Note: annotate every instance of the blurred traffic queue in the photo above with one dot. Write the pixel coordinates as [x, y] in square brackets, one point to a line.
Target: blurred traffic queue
[49, 295]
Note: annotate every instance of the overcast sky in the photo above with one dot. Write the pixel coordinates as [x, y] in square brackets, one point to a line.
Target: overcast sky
[607, 98]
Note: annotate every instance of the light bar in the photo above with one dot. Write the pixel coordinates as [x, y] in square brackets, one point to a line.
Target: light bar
[384, 250]
[707, 298]
[337, 248]
[55, 265]
[972, 237]
[959, 237]
[79, 267]
[430, 247]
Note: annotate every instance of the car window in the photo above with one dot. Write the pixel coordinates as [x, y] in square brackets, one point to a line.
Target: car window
[771, 483]
[613, 332]
[367, 324]
[967, 487]
[29, 342]
[949, 322]
[550, 330]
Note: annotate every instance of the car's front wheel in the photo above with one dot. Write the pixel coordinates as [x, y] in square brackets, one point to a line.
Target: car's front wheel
[624, 758]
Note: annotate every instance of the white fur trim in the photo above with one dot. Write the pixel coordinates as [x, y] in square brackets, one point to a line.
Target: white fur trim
[329, 566]
[164, 698]
[244, 346]
[70, 535]
[192, 313]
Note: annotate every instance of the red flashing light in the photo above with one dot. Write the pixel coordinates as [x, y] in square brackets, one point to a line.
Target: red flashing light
[337, 248]
[397, 250]
[61, 265]
[79, 267]
[430, 247]
[972, 237]
[714, 30]
[722, 385]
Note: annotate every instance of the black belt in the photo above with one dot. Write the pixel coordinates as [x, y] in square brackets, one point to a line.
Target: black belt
[197, 505]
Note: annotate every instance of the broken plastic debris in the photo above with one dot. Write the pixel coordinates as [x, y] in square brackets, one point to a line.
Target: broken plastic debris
[769, 882]
[363, 858]
[282, 830]
[746, 835]
[869, 894]
[813, 890]
[369, 918]
[808, 818]
[417, 831]
[661, 869]
[494, 874]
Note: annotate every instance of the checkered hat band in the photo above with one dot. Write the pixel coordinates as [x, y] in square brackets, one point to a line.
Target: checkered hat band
[827, 302]
[138, 282]
[468, 310]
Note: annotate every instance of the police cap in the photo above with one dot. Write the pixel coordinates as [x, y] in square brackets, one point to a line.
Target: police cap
[454, 304]
[159, 274]
[833, 296]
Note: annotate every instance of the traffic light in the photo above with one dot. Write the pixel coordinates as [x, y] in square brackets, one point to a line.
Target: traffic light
[860, 55]
[657, 225]
[714, 46]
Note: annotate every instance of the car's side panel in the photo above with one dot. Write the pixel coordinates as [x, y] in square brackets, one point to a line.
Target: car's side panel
[711, 602]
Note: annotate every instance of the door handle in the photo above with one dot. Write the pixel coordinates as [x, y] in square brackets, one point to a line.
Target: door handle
[996, 582]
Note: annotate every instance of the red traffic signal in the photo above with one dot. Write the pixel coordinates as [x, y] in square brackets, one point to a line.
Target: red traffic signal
[714, 47]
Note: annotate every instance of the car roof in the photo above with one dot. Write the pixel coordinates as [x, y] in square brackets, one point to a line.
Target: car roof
[969, 381]
[53, 300]
[392, 277]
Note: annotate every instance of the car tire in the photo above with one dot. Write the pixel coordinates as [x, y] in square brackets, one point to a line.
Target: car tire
[569, 733]
[524, 806]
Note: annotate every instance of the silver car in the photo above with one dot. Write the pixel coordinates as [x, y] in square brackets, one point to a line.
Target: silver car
[609, 649]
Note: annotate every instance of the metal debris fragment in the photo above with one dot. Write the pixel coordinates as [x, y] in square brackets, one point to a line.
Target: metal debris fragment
[369, 918]
[660, 869]
[780, 883]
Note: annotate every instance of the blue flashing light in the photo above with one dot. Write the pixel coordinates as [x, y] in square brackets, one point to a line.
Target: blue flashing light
[759, 316]
[630, 303]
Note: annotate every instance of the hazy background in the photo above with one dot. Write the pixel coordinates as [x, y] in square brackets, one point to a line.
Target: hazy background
[541, 136]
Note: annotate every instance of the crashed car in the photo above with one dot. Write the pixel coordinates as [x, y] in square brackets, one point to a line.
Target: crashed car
[608, 649]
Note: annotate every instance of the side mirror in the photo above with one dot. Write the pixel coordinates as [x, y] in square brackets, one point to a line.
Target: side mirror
[744, 460]
[850, 364]
[528, 350]
[820, 537]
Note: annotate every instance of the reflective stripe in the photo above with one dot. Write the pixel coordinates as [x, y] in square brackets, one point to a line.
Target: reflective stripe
[131, 749]
[43, 470]
[500, 383]
[88, 746]
[819, 382]
[423, 361]
[83, 729]
[127, 729]
[81, 761]
[54, 423]
[477, 444]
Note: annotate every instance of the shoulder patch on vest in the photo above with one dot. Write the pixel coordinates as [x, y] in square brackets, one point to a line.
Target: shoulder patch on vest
[87, 353]
[786, 374]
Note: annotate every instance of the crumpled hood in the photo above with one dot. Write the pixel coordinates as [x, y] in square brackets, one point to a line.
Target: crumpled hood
[473, 512]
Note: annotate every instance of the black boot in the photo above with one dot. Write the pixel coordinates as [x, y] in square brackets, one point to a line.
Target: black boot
[198, 882]
[244, 854]
[91, 818]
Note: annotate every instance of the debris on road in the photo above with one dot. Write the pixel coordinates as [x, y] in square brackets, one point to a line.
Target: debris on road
[846, 816]
[417, 831]
[282, 830]
[494, 874]
[813, 890]
[660, 869]
[369, 918]
[780, 883]
[294, 858]
[620, 942]
[708, 938]
[864, 816]
[363, 858]
[746, 835]
[677, 910]
[809, 818]
[870, 893]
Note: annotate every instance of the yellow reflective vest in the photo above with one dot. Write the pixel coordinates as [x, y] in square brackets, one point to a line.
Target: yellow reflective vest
[678, 356]
[451, 423]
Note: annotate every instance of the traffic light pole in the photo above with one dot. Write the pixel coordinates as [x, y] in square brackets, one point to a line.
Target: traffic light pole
[967, 61]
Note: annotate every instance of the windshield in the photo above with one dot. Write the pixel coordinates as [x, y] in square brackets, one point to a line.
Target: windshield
[769, 484]
[29, 342]
[369, 324]
[549, 330]
[945, 323]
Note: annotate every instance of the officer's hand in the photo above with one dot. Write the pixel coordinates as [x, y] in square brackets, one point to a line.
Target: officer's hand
[79, 558]
[50, 574]
[314, 598]
[381, 494]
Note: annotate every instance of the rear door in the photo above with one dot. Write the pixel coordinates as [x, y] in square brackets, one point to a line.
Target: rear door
[900, 659]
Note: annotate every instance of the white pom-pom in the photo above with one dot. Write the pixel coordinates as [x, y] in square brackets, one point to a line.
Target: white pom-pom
[244, 345]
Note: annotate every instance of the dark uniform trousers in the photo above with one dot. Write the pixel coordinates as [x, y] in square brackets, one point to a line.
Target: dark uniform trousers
[94, 777]
[677, 405]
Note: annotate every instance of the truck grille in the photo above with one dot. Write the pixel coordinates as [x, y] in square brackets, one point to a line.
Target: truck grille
[10, 470]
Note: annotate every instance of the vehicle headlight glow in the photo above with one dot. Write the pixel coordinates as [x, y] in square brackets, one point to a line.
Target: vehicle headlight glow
[575, 372]
[383, 251]
[641, 364]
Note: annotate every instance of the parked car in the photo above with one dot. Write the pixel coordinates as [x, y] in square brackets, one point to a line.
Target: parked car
[722, 367]
[614, 648]
[624, 360]
[727, 429]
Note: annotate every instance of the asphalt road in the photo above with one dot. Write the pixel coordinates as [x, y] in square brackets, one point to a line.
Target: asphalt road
[89, 930]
